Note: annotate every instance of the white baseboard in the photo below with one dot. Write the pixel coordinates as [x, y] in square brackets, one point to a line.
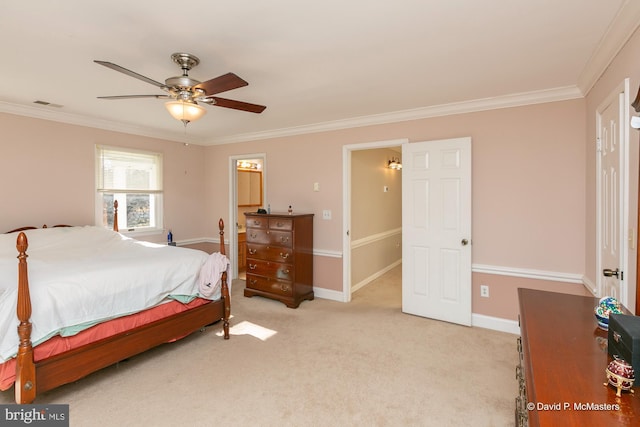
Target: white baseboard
[495, 323]
[374, 276]
[328, 294]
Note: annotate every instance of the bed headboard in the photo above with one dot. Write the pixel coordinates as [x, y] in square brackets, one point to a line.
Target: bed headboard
[35, 228]
[30, 227]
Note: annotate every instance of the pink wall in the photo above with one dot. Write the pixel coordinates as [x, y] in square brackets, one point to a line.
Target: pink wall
[503, 296]
[47, 176]
[528, 183]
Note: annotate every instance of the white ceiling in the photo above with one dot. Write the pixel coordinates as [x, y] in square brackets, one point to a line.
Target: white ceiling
[315, 65]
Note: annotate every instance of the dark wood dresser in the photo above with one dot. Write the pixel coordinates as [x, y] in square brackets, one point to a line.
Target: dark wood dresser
[280, 257]
[563, 357]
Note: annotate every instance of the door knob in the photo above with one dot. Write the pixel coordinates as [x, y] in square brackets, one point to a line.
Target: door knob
[464, 242]
[608, 272]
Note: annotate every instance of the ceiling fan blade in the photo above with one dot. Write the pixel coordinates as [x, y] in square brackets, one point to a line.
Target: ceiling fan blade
[237, 105]
[221, 84]
[135, 96]
[129, 73]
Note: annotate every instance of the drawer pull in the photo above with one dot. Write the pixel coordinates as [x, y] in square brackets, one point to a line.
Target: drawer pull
[286, 271]
[253, 281]
[284, 239]
[284, 288]
[280, 224]
[253, 266]
[284, 256]
[616, 336]
[256, 222]
[252, 251]
[253, 235]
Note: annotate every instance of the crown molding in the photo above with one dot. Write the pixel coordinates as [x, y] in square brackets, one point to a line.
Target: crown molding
[48, 113]
[513, 100]
[619, 32]
[507, 101]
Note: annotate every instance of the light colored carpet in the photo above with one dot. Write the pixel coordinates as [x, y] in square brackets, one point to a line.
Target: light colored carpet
[324, 364]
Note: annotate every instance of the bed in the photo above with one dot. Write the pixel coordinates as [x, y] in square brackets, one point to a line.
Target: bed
[91, 297]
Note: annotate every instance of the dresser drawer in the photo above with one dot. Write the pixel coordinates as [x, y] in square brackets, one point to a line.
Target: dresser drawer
[281, 238]
[255, 222]
[266, 284]
[270, 253]
[270, 269]
[270, 237]
[255, 235]
[281, 224]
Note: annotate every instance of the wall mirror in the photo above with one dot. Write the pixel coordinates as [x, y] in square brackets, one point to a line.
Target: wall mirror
[249, 188]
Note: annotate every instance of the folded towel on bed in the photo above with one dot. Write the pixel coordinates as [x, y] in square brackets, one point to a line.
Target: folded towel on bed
[210, 274]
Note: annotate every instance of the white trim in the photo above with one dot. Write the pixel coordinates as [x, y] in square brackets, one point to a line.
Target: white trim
[199, 240]
[92, 122]
[328, 294]
[375, 238]
[327, 253]
[591, 287]
[374, 276]
[626, 227]
[346, 205]
[553, 276]
[619, 32]
[216, 240]
[233, 201]
[507, 101]
[495, 323]
[624, 128]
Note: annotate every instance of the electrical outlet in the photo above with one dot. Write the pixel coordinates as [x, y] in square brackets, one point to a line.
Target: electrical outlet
[326, 214]
[484, 291]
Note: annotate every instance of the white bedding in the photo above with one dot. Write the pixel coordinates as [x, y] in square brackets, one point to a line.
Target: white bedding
[85, 275]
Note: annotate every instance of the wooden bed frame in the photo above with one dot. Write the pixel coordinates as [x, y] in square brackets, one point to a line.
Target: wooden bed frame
[37, 377]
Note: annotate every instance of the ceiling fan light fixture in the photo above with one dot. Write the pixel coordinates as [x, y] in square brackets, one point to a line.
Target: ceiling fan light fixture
[185, 111]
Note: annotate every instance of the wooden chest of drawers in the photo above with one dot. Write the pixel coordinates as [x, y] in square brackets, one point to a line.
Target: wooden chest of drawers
[279, 253]
[563, 358]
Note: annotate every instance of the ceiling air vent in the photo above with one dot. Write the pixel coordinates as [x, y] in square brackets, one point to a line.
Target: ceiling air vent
[48, 104]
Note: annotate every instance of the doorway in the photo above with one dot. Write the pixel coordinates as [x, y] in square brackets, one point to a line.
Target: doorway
[348, 220]
[247, 193]
[460, 295]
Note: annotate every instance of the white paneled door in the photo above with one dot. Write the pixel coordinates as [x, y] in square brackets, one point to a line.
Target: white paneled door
[436, 229]
[611, 123]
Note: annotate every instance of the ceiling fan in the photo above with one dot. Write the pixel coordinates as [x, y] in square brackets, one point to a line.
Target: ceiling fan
[185, 92]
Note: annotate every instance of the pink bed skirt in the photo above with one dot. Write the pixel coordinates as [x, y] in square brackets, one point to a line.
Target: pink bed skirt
[58, 344]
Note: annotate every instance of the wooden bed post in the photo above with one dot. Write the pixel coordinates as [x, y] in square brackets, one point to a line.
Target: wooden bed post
[25, 385]
[115, 216]
[225, 286]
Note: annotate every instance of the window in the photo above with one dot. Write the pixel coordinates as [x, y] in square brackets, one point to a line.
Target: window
[134, 179]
